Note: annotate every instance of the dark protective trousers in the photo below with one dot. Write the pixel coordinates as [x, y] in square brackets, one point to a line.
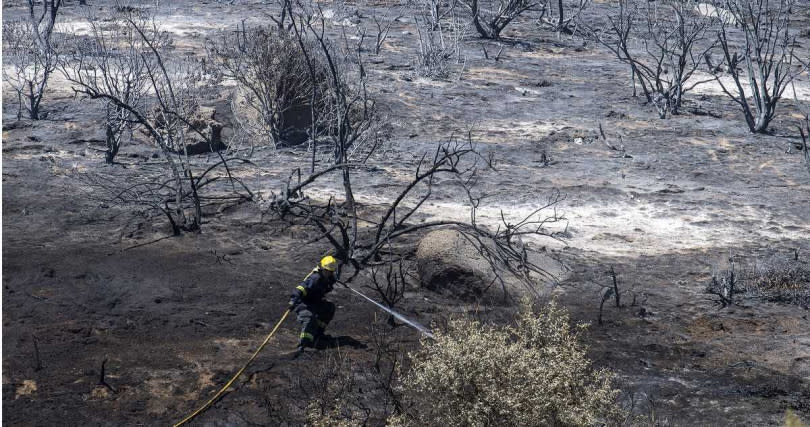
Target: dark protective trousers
[314, 316]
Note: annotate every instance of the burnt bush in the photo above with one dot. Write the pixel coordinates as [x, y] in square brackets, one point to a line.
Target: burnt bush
[127, 63]
[31, 52]
[764, 64]
[438, 48]
[725, 284]
[663, 43]
[780, 279]
[276, 90]
[490, 17]
[775, 278]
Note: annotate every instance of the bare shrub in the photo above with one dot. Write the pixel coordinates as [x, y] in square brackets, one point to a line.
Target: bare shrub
[563, 23]
[725, 284]
[780, 279]
[389, 359]
[327, 395]
[330, 392]
[345, 118]
[437, 49]
[339, 392]
[32, 51]
[276, 91]
[123, 64]
[354, 395]
[361, 246]
[389, 282]
[534, 372]
[383, 26]
[763, 63]
[775, 278]
[116, 56]
[434, 12]
[178, 114]
[663, 43]
[490, 17]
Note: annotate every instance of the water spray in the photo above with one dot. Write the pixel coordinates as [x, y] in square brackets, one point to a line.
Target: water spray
[425, 331]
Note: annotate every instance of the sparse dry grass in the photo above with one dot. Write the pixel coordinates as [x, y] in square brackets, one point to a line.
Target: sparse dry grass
[781, 280]
[776, 279]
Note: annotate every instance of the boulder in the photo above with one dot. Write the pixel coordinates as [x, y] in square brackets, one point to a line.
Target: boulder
[450, 264]
[205, 122]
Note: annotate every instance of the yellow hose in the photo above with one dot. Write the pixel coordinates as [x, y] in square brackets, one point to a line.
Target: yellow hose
[222, 391]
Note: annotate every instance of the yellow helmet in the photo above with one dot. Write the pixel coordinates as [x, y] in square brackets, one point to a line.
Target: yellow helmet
[329, 263]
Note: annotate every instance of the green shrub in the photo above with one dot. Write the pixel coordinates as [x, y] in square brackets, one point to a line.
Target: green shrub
[534, 372]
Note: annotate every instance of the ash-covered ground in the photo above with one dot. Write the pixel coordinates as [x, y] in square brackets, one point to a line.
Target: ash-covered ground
[174, 317]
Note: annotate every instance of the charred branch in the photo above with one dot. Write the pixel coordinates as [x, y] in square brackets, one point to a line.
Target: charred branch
[490, 21]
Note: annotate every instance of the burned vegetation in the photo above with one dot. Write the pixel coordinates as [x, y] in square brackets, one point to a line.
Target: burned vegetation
[173, 171]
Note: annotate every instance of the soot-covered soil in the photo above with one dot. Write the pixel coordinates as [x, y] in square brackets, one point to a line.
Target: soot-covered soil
[85, 282]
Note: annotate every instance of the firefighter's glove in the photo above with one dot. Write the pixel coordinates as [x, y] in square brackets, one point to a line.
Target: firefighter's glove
[292, 304]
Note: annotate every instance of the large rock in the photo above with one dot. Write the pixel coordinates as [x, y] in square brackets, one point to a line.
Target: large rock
[450, 264]
[204, 122]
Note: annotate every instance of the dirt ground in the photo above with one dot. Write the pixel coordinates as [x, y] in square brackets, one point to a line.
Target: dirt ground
[85, 282]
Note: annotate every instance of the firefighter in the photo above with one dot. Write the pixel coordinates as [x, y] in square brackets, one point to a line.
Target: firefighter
[307, 300]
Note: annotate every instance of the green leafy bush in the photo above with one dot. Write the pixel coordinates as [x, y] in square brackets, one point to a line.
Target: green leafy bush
[534, 372]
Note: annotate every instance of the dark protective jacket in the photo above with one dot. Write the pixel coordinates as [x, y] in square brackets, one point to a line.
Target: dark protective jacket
[313, 288]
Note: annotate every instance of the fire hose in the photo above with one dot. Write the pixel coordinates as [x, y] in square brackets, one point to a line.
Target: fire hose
[222, 391]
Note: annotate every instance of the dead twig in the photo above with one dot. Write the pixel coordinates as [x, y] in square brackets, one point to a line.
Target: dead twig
[143, 244]
[102, 380]
[610, 146]
[615, 287]
[605, 294]
[37, 360]
[36, 297]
